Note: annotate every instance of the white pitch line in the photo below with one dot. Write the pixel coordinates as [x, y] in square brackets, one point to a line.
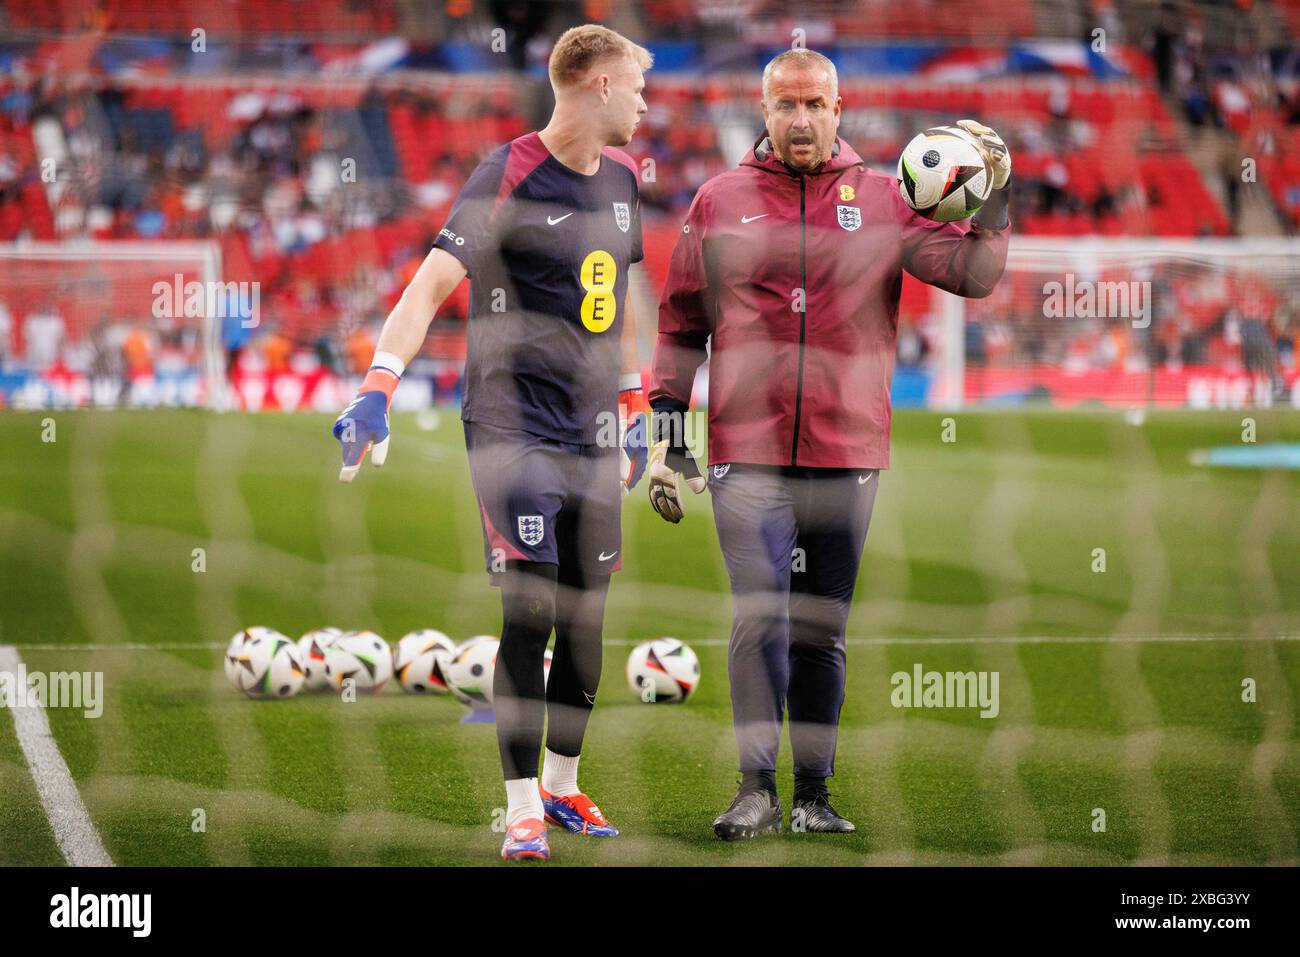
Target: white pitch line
[1007, 640]
[722, 642]
[73, 830]
[1075, 639]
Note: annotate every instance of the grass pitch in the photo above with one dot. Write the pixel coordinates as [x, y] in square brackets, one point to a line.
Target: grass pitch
[981, 556]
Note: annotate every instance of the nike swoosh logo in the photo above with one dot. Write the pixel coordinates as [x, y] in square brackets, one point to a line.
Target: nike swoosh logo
[605, 558]
[750, 219]
[591, 699]
[552, 222]
[863, 480]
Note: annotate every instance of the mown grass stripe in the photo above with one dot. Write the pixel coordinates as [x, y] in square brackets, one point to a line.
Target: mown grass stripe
[993, 535]
[38, 473]
[1199, 686]
[1078, 667]
[84, 556]
[947, 803]
[1067, 795]
[1144, 550]
[300, 742]
[1209, 810]
[148, 473]
[172, 731]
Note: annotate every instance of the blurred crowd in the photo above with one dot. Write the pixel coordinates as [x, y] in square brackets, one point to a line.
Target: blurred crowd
[1227, 78]
[1207, 314]
[328, 195]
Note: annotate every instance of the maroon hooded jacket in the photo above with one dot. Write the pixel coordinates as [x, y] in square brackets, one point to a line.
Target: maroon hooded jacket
[804, 386]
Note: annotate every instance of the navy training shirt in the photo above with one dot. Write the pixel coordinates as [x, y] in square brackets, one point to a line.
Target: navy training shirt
[547, 250]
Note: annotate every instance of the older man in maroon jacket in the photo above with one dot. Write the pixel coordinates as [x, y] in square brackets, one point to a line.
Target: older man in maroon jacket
[789, 268]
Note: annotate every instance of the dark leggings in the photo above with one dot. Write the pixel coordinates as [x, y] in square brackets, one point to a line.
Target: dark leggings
[536, 599]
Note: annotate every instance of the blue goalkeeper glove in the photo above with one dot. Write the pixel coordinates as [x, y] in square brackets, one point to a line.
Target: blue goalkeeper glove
[632, 415]
[364, 423]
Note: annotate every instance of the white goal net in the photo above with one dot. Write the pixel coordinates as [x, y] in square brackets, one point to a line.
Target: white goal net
[1095, 321]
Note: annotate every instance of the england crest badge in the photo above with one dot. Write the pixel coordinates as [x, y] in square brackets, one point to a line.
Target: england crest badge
[531, 530]
[623, 216]
[850, 217]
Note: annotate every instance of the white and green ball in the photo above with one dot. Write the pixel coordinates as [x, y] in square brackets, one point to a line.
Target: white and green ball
[662, 671]
[263, 663]
[471, 671]
[361, 657]
[943, 175]
[420, 661]
[228, 662]
[311, 648]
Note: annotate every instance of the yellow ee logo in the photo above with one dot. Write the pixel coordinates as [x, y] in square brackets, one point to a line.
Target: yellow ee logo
[846, 193]
[597, 277]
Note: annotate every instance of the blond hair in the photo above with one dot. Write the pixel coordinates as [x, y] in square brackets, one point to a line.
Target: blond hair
[802, 59]
[581, 48]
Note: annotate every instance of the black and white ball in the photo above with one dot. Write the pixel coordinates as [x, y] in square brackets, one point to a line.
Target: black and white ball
[311, 648]
[361, 657]
[264, 664]
[943, 175]
[663, 670]
[420, 661]
[229, 661]
[471, 671]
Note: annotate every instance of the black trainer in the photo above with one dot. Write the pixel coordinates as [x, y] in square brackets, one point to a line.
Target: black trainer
[752, 813]
[812, 813]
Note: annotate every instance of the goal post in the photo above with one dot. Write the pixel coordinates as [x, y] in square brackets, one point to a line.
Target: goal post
[114, 322]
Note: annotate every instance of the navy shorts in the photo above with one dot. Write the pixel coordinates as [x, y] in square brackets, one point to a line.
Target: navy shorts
[542, 500]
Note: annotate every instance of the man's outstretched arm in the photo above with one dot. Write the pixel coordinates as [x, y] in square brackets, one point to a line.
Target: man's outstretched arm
[364, 423]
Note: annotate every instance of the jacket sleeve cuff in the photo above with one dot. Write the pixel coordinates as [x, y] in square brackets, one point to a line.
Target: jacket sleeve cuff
[666, 403]
[993, 214]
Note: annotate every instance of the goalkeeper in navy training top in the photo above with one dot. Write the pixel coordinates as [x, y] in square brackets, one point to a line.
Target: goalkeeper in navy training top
[790, 267]
[554, 418]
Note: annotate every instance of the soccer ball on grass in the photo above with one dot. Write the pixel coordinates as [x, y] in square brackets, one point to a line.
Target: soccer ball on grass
[263, 663]
[359, 656]
[420, 661]
[311, 648]
[470, 672]
[663, 670]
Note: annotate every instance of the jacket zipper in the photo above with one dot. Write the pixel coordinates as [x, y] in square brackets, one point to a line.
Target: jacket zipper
[803, 316]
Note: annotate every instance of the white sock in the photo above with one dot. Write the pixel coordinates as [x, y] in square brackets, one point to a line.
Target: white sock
[522, 801]
[560, 774]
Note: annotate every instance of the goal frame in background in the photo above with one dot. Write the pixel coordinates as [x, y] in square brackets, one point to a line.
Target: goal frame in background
[206, 254]
[948, 389]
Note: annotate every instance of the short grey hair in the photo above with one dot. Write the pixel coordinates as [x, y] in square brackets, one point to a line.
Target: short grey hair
[806, 60]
